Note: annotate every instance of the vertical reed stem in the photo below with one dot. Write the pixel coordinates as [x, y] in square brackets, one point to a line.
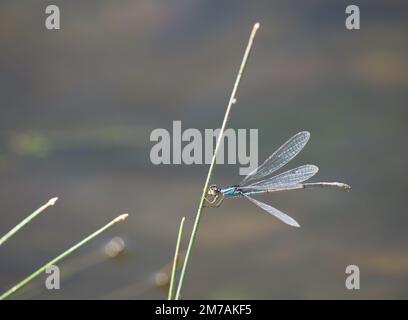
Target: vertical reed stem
[232, 101]
[175, 261]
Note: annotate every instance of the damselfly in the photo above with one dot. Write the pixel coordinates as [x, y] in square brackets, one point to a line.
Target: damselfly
[258, 182]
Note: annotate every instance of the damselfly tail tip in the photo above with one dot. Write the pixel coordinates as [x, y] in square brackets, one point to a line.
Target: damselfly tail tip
[346, 187]
[257, 25]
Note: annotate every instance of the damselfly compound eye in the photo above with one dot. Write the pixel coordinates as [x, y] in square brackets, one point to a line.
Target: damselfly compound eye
[213, 190]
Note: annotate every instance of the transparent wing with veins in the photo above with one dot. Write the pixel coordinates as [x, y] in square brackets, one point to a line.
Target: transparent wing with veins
[279, 158]
[285, 180]
[273, 211]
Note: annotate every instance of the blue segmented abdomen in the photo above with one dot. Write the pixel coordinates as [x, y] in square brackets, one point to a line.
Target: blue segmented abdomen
[230, 191]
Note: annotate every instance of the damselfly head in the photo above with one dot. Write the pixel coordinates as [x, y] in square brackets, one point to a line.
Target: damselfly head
[213, 190]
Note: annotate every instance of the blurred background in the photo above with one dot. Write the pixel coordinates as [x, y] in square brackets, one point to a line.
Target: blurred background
[78, 106]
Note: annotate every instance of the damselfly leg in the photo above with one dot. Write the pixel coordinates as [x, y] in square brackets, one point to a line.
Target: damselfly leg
[214, 197]
[214, 203]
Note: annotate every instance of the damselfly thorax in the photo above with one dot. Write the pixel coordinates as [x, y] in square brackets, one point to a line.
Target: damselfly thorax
[216, 195]
[261, 179]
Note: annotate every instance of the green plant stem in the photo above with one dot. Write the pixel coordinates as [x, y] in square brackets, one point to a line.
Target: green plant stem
[232, 101]
[27, 220]
[41, 270]
[175, 261]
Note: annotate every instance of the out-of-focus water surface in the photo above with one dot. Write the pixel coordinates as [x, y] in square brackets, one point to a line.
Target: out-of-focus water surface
[78, 106]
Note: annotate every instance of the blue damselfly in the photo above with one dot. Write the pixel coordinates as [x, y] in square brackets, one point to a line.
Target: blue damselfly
[259, 181]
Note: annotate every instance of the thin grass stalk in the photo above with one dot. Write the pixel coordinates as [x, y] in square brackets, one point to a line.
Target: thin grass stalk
[41, 270]
[231, 102]
[175, 261]
[27, 220]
